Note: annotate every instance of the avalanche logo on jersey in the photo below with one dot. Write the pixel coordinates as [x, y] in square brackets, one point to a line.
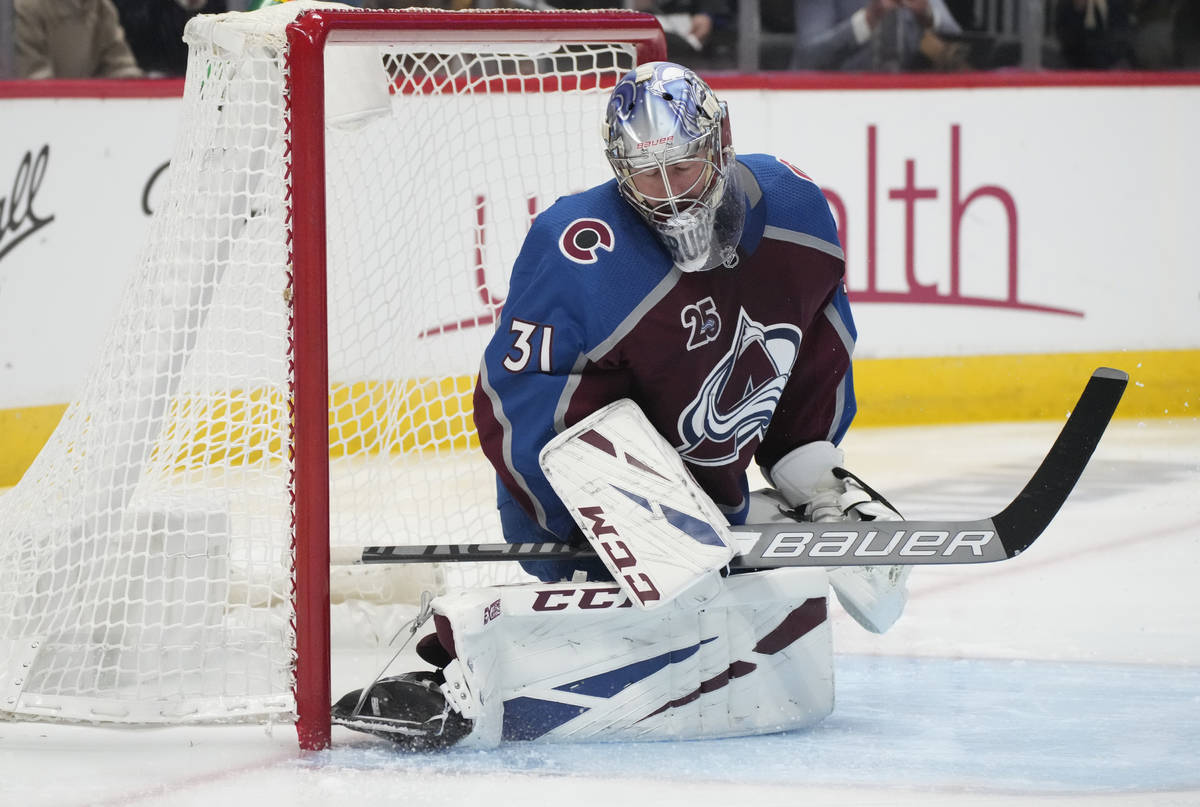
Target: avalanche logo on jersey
[739, 396]
[583, 238]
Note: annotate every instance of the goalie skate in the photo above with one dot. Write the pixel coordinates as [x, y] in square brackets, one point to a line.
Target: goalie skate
[407, 709]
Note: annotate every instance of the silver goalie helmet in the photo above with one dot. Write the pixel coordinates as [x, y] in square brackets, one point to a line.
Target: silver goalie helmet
[665, 138]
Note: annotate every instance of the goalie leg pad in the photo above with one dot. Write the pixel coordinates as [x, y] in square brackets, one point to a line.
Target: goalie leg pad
[563, 662]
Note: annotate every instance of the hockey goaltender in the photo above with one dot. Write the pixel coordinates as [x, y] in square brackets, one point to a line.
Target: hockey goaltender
[661, 331]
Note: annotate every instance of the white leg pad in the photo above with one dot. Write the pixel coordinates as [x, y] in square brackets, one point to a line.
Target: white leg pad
[575, 662]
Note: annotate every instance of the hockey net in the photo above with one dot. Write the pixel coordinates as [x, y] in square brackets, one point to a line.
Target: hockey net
[293, 363]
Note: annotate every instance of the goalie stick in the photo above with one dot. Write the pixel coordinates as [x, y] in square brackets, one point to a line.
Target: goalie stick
[858, 543]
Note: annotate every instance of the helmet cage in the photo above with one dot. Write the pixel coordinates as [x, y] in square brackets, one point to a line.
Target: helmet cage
[652, 182]
[664, 138]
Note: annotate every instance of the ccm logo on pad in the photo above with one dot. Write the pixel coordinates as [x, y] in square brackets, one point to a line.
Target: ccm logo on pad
[587, 599]
[918, 543]
[623, 562]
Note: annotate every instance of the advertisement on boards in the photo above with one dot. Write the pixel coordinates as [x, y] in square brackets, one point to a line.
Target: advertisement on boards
[975, 221]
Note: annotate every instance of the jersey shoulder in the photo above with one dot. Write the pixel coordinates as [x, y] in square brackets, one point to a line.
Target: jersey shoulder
[590, 255]
[596, 228]
[793, 200]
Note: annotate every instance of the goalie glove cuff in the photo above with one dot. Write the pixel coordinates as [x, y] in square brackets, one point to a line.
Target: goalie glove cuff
[811, 479]
[861, 502]
[805, 474]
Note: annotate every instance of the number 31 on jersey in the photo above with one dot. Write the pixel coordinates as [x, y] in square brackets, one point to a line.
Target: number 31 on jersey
[523, 337]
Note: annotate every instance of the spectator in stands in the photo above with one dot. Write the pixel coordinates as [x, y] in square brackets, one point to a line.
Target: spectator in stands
[154, 30]
[71, 39]
[777, 29]
[876, 35]
[1166, 34]
[1094, 34]
[692, 27]
[1187, 36]
[695, 29]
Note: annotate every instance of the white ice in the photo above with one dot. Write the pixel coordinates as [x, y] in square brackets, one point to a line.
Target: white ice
[1069, 675]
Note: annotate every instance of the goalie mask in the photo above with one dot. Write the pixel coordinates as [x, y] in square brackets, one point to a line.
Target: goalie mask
[666, 137]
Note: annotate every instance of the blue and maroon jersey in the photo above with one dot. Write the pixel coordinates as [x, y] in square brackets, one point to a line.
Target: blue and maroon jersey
[729, 364]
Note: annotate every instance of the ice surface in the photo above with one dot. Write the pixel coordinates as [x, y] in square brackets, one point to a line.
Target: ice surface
[1070, 675]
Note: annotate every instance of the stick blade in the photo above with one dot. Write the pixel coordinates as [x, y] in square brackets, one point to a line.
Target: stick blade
[1028, 515]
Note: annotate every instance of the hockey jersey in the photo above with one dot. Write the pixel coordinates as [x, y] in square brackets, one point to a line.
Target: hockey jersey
[729, 365]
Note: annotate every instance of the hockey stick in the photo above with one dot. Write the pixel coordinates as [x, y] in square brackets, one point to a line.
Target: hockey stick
[764, 546]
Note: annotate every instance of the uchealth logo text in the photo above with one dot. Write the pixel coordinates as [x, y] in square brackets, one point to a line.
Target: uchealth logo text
[19, 217]
[884, 226]
[619, 553]
[876, 544]
[914, 202]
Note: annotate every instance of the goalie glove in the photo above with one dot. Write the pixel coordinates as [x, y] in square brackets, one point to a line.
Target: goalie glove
[812, 480]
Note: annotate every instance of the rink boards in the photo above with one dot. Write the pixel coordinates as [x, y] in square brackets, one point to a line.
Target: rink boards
[1000, 245]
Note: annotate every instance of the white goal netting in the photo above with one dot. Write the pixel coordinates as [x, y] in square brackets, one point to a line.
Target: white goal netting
[146, 558]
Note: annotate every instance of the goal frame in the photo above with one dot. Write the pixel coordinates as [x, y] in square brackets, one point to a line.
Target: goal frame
[304, 110]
